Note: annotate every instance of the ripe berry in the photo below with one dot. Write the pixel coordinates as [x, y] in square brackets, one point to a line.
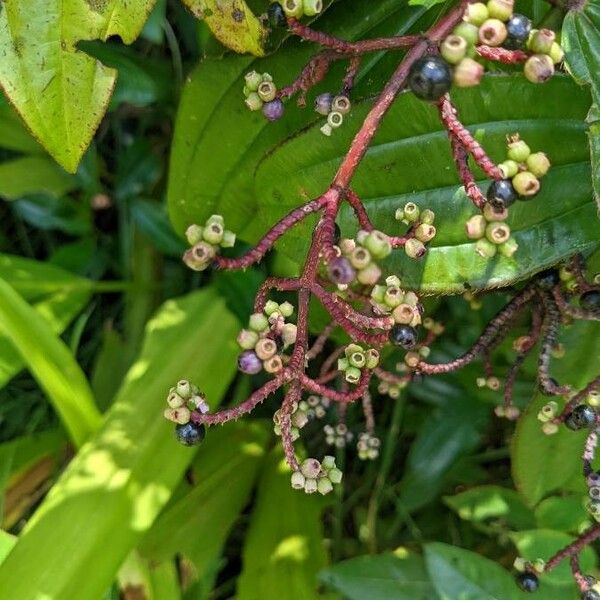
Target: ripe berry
[276, 15]
[582, 416]
[340, 271]
[190, 434]
[501, 194]
[590, 595]
[249, 363]
[404, 336]
[518, 28]
[528, 581]
[430, 78]
[273, 110]
[590, 300]
[548, 279]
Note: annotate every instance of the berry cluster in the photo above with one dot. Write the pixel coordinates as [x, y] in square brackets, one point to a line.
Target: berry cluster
[295, 9]
[368, 446]
[261, 94]
[337, 436]
[334, 108]
[403, 306]
[205, 242]
[356, 359]
[314, 476]
[183, 399]
[422, 228]
[267, 336]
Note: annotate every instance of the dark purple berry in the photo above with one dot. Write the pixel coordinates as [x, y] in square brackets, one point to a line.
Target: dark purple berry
[323, 103]
[190, 434]
[590, 595]
[590, 300]
[404, 336]
[249, 363]
[340, 271]
[518, 28]
[548, 279]
[276, 15]
[528, 581]
[430, 78]
[501, 194]
[273, 110]
[582, 416]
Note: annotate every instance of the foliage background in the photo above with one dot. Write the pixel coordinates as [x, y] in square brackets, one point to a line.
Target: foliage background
[98, 317]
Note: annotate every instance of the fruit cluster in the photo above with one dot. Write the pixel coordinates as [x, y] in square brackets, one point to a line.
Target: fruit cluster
[314, 476]
[182, 400]
[527, 573]
[334, 108]
[356, 359]
[261, 94]
[491, 232]
[298, 417]
[265, 339]
[368, 446]
[337, 436]
[421, 222]
[294, 9]
[205, 242]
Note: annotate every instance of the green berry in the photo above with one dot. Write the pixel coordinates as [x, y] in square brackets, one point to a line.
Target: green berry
[411, 212]
[538, 164]
[213, 233]
[476, 13]
[414, 248]
[286, 309]
[378, 244]
[475, 227]
[312, 7]
[485, 248]
[335, 476]
[335, 119]
[500, 9]
[557, 54]
[425, 233]
[393, 296]
[267, 91]
[341, 104]
[324, 486]
[518, 150]
[293, 8]
[526, 184]
[252, 80]
[497, 233]
[352, 374]
[509, 247]
[494, 214]
[372, 358]
[174, 400]
[193, 234]
[357, 359]
[228, 240]
[538, 68]
[454, 48]
[541, 41]
[258, 322]
[199, 256]
[360, 257]
[342, 364]
[298, 480]
[184, 389]
[270, 307]
[427, 216]
[492, 32]
[253, 102]
[369, 275]
[509, 168]
[468, 31]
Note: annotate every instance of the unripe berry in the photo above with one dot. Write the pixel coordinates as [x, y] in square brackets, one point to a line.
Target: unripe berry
[414, 248]
[312, 7]
[509, 247]
[253, 102]
[293, 8]
[526, 184]
[492, 32]
[357, 359]
[412, 359]
[252, 80]
[541, 41]
[509, 168]
[475, 227]
[411, 212]
[378, 244]
[476, 13]
[538, 164]
[518, 150]
[341, 104]
[403, 314]
[228, 240]
[360, 257]
[538, 68]
[492, 214]
[425, 233]
[265, 348]
[298, 480]
[485, 248]
[557, 54]
[180, 415]
[454, 48]
[310, 468]
[288, 334]
[497, 233]
[184, 389]
[273, 110]
[310, 486]
[427, 216]
[468, 31]
[323, 103]
[213, 233]
[273, 364]
[335, 119]
[393, 296]
[467, 73]
[500, 9]
[174, 400]
[199, 256]
[266, 91]
[372, 358]
[369, 275]
[335, 475]
[193, 234]
[352, 374]
[258, 322]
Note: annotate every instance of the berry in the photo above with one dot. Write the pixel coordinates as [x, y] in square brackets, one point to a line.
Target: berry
[404, 336]
[430, 78]
[340, 271]
[538, 164]
[323, 103]
[590, 595]
[582, 416]
[249, 363]
[518, 28]
[528, 581]
[501, 194]
[273, 110]
[276, 15]
[500, 9]
[467, 73]
[454, 48]
[312, 7]
[541, 41]
[190, 434]
[590, 300]
[548, 279]
[526, 184]
[492, 32]
[341, 104]
[538, 68]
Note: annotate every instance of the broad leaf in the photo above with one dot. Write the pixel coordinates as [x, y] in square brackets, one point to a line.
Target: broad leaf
[283, 551]
[7, 542]
[381, 577]
[33, 174]
[226, 470]
[118, 483]
[410, 160]
[544, 463]
[562, 513]
[50, 362]
[60, 92]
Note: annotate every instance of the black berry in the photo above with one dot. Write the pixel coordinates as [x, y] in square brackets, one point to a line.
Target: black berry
[590, 300]
[518, 28]
[276, 15]
[190, 434]
[582, 416]
[404, 336]
[590, 595]
[430, 78]
[501, 194]
[528, 581]
[548, 279]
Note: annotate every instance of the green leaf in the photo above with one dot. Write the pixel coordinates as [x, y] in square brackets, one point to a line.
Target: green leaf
[117, 484]
[459, 574]
[232, 22]
[564, 513]
[7, 541]
[491, 502]
[33, 174]
[50, 362]
[593, 121]
[543, 463]
[14, 134]
[581, 41]
[226, 469]
[380, 577]
[544, 543]
[152, 219]
[218, 144]
[60, 92]
[410, 160]
[284, 550]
